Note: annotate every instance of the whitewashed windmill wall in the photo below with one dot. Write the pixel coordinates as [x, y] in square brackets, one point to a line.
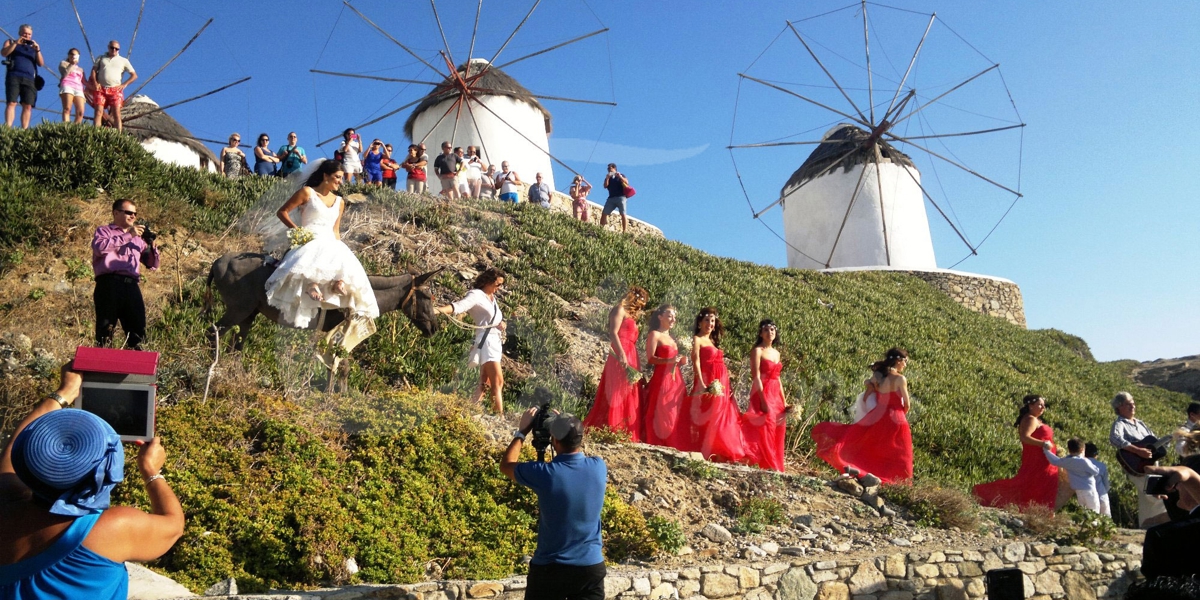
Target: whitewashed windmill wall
[500, 141]
[815, 209]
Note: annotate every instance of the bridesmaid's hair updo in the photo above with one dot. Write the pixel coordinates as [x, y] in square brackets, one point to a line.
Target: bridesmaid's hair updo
[763, 323]
[487, 277]
[718, 328]
[327, 167]
[658, 313]
[890, 361]
[635, 300]
[1026, 402]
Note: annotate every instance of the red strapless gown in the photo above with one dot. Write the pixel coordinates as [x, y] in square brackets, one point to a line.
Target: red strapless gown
[1036, 481]
[880, 443]
[763, 423]
[618, 402]
[711, 424]
[663, 399]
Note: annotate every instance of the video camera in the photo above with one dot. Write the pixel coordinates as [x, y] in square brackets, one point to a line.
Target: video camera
[119, 387]
[148, 234]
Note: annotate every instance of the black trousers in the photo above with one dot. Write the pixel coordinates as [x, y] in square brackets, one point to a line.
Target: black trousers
[565, 582]
[119, 299]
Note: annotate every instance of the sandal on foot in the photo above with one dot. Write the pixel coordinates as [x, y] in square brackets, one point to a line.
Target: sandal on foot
[314, 292]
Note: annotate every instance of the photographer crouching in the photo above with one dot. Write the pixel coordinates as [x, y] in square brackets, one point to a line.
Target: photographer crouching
[569, 562]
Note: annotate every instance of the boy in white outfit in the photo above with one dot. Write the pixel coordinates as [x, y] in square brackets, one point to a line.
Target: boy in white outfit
[1081, 473]
[1102, 485]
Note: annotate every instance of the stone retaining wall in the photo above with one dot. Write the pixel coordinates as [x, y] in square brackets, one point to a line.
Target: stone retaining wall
[988, 295]
[1049, 572]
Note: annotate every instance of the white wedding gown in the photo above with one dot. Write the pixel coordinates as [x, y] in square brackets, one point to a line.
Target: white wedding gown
[324, 260]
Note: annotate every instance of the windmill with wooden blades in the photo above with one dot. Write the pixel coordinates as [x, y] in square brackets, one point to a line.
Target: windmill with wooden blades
[473, 101]
[859, 198]
[145, 119]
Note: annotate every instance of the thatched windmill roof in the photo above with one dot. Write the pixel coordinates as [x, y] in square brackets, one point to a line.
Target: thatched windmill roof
[838, 141]
[159, 125]
[493, 83]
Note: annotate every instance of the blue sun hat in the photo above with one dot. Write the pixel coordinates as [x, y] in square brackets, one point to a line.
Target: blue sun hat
[71, 459]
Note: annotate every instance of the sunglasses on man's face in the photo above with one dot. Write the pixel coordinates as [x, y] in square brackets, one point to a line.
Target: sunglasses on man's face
[117, 48]
[132, 213]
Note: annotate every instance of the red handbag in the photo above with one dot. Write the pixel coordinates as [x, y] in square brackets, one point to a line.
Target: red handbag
[629, 191]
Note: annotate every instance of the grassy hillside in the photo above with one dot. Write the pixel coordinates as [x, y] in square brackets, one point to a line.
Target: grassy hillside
[281, 483]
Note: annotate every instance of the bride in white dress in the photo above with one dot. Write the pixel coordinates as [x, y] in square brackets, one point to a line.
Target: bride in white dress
[322, 273]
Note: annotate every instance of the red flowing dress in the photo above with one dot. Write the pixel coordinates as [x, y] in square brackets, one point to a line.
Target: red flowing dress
[663, 399]
[1036, 481]
[618, 402]
[763, 423]
[880, 443]
[710, 423]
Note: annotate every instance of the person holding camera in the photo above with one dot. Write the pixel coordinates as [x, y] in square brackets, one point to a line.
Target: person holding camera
[118, 251]
[23, 57]
[568, 563]
[59, 537]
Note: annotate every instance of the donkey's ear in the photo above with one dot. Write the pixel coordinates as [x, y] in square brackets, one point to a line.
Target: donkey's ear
[422, 278]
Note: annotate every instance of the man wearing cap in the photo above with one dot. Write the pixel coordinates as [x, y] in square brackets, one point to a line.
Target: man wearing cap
[568, 563]
[118, 251]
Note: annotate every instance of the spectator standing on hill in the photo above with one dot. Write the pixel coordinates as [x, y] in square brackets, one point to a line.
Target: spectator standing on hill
[107, 75]
[1126, 430]
[1102, 483]
[568, 563]
[487, 187]
[291, 156]
[233, 160]
[70, 86]
[539, 193]
[372, 161]
[414, 165]
[445, 166]
[508, 183]
[579, 193]
[23, 56]
[118, 250]
[1081, 473]
[351, 155]
[460, 176]
[59, 536]
[616, 184]
[265, 161]
[389, 166]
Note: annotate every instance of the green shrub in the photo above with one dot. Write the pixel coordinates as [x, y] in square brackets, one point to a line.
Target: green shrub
[30, 216]
[700, 470]
[756, 513]
[931, 505]
[607, 435]
[669, 534]
[626, 534]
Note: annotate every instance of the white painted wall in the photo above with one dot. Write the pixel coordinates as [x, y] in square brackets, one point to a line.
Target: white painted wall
[813, 213]
[175, 153]
[499, 141]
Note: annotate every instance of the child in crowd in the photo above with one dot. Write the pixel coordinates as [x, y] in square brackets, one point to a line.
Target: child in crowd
[1102, 486]
[1081, 473]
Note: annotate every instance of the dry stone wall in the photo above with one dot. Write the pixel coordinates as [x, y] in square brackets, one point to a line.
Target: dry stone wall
[988, 295]
[1049, 572]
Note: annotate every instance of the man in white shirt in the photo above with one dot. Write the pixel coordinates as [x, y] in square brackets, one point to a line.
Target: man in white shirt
[107, 75]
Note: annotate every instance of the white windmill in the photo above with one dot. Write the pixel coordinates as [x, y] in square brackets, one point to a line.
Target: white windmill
[858, 200]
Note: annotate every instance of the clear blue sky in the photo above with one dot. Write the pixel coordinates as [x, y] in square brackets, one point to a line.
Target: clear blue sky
[1103, 245]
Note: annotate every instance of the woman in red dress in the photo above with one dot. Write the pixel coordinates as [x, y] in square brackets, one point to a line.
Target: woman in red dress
[664, 393]
[618, 401]
[881, 442]
[765, 417]
[710, 422]
[1036, 481]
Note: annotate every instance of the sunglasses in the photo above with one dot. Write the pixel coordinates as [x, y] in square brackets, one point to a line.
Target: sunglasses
[132, 213]
[114, 47]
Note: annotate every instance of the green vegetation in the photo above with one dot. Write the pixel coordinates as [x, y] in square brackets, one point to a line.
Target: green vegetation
[667, 533]
[282, 483]
[757, 513]
[700, 470]
[931, 505]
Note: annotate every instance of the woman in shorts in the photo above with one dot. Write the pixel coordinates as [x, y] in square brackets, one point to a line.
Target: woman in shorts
[70, 86]
[579, 193]
[474, 172]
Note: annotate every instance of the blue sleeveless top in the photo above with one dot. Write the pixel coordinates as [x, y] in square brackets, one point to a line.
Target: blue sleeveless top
[66, 570]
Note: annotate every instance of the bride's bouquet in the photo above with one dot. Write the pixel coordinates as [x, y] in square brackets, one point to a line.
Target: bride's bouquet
[632, 375]
[299, 236]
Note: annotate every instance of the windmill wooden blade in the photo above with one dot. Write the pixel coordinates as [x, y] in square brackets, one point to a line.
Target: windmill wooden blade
[168, 63]
[193, 98]
[772, 144]
[373, 77]
[87, 43]
[862, 117]
[445, 42]
[962, 133]
[136, 25]
[510, 37]
[372, 121]
[526, 138]
[551, 48]
[474, 31]
[544, 97]
[944, 94]
[827, 169]
[911, 62]
[942, 212]
[389, 36]
[956, 164]
[806, 99]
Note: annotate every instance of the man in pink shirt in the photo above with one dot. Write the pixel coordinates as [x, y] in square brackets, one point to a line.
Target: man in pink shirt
[118, 250]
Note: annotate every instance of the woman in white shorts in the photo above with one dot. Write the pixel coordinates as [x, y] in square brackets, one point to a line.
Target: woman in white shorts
[352, 156]
[487, 347]
[474, 171]
[70, 86]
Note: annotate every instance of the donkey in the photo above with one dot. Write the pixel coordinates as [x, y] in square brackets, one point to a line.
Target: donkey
[241, 280]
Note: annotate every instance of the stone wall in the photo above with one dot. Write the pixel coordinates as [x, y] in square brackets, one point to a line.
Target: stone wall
[993, 296]
[1049, 572]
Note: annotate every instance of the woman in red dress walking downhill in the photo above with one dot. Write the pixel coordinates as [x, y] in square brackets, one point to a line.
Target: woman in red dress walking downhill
[664, 394]
[710, 422]
[765, 416]
[1036, 481]
[618, 400]
[881, 442]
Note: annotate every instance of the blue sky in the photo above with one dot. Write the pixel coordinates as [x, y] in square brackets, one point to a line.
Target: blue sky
[1103, 243]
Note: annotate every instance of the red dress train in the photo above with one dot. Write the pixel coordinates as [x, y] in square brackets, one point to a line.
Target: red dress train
[663, 399]
[880, 443]
[710, 423]
[1036, 481]
[618, 402]
[763, 423]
